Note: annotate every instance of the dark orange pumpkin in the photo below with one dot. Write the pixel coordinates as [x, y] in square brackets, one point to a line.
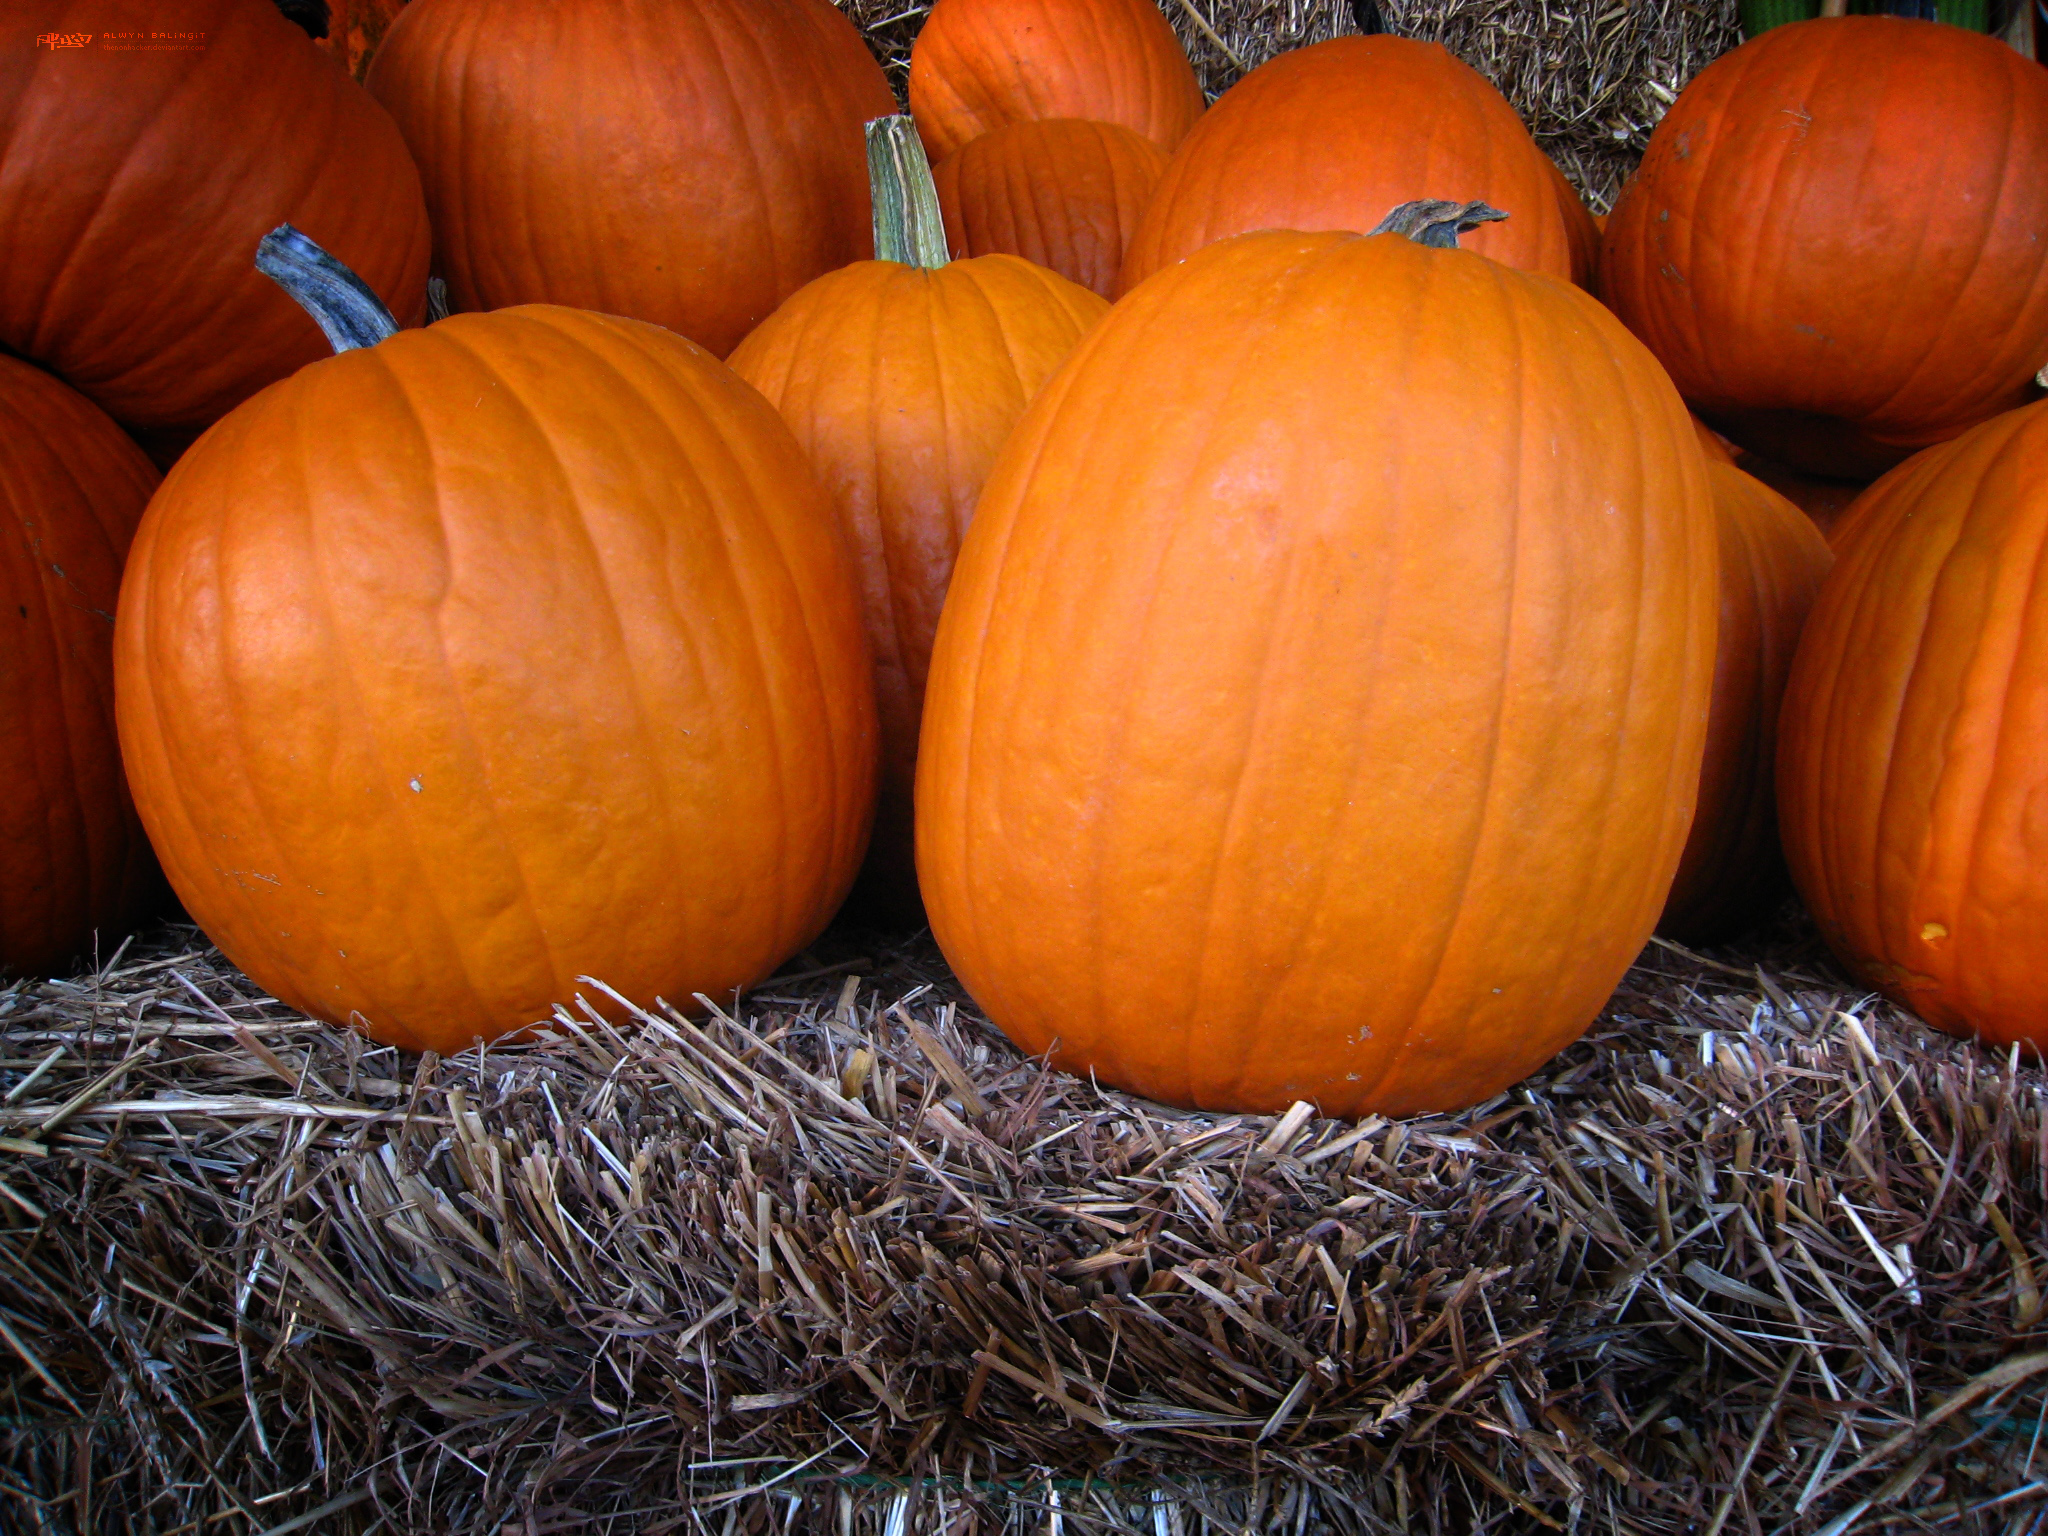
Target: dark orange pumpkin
[1838, 240]
[1913, 749]
[1060, 192]
[1772, 562]
[979, 64]
[1582, 233]
[1823, 500]
[688, 162]
[1318, 706]
[1334, 135]
[73, 860]
[516, 649]
[902, 378]
[134, 183]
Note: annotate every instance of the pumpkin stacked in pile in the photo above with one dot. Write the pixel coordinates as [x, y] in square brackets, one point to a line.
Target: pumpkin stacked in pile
[1311, 676]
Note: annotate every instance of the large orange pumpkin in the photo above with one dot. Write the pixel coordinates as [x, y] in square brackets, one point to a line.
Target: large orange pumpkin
[978, 64]
[512, 650]
[1837, 241]
[902, 378]
[135, 181]
[73, 860]
[1913, 750]
[1318, 706]
[1060, 192]
[688, 162]
[1772, 562]
[1332, 136]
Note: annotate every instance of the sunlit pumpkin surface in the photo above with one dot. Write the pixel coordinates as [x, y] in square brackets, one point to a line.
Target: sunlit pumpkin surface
[509, 651]
[1317, 710]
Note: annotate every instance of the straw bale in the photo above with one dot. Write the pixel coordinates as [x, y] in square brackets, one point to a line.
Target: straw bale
[1591, 81]
[1760, 1254]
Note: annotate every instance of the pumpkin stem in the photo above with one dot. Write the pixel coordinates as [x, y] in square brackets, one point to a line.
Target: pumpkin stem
[345, 308]
[1433, 222]
[908, 225]
[1367, 14]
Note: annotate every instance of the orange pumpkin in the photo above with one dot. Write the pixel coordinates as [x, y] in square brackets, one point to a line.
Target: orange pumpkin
[1332, 136]
[978, 64]
[1772, 562]
[134, 182]
[1913, 749]
[902, 378]
[512, 650]
[73, 860]
[1061, 192]
[1837, 241]
[692, 164]
[1318, 706]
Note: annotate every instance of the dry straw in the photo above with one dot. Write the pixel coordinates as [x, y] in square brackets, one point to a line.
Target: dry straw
[1759, 1255]
[1590, 79]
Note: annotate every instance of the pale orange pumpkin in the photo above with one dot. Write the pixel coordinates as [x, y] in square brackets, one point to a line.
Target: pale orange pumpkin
[1317, 710]
[902, 378]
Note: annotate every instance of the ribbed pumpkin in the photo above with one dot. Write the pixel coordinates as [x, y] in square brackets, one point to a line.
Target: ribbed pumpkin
[1772, 562]
[978, 64]
[1318, 706]
[688, 162]
[516, 649]
[1332, 136]
[1063, 193]
[134, 184]
[1837, 241]
[73, 860]
[902, 378]
[1913, 749]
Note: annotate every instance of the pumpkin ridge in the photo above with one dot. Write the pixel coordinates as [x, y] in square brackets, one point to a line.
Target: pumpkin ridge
[1889, 789]
[570, 510]
[1955, 833]
[451, 948]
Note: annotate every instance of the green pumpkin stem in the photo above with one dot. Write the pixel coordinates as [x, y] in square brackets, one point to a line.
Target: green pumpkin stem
[345, 308]
[1433, 222]
[908, 225]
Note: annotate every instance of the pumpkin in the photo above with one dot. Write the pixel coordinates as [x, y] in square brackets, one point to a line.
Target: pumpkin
[512, 650]
[687, 162]
[1318, 705]
[1824, 501]
[1837, 241]
[1582, 232]
[1061, 192]
[1772, 561]
[73, 860]
[1331, 136]
[902, 377]
[135, 182]
[1913, 749]
[979, 64]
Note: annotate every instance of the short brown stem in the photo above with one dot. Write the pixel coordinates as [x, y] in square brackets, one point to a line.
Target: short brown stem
[1433, 222]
